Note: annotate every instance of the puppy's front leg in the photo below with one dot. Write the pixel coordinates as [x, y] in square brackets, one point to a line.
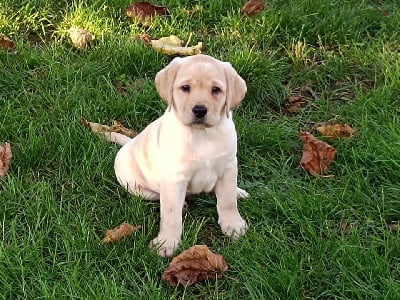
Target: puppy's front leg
[232, 224]
[172, 198]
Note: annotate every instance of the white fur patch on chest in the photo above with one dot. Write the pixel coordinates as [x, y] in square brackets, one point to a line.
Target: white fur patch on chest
[202, 181]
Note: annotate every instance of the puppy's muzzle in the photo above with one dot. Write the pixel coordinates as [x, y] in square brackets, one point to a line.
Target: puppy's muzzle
[199, 111]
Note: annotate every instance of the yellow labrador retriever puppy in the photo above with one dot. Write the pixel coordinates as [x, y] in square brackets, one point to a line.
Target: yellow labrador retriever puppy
[190, 149]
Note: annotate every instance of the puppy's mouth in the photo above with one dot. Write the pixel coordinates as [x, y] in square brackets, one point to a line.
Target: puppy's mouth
[200, 124]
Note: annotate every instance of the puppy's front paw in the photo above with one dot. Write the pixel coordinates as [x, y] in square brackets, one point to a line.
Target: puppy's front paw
[234, 227]
[165, 246]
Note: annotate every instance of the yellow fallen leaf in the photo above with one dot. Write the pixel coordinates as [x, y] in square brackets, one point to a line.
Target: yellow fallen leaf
[336, 130]
[172, 45]
[171, 40]
[80, 37]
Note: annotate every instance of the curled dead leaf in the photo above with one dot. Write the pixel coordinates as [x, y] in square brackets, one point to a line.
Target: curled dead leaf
[193, 10]
[146, 39]
[7, 44]
[317, 155]
[172, 45]
[116, 127]
[253, 7]
[80, 37]
[295, 103]
[336, 130]
[123, 230]
[346, 226]
[145, 12]
[394, 226]
[125, 86]
[5, 158]
[194, 265]
[299, 98]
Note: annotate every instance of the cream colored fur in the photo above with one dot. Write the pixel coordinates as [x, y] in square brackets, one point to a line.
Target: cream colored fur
[180, 154]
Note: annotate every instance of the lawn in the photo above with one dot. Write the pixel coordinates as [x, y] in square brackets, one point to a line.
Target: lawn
[326, 237]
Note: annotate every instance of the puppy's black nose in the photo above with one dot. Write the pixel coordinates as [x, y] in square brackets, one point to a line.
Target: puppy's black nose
[199, 111]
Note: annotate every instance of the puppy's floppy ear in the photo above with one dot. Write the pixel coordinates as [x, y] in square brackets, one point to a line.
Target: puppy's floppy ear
[236, 87]
[165, 79]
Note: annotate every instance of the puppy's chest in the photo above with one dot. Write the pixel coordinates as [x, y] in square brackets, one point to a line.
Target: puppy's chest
[205, 174]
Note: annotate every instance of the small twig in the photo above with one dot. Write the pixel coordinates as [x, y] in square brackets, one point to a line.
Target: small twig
[188, 41]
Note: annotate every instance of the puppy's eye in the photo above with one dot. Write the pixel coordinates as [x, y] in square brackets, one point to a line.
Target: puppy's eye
[185, 88]
[215, 90]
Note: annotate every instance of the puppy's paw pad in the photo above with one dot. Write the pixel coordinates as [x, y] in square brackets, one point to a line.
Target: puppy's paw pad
[241, 194]
[234, 228]
[163, 246]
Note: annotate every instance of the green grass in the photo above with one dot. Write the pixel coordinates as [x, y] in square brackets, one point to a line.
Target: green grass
[61, 194]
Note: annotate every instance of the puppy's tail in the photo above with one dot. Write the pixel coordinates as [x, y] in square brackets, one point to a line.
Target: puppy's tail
[109, 133]
[115, 137]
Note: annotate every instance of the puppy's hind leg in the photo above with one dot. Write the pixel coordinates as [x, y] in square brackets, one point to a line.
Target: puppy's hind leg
[129, 174]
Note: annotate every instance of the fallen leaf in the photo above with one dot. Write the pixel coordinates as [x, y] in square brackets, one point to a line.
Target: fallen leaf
[346, 226]
[172, 45]
[193, 265]
[116, 127]
[253, 7]
[336, 130]
[146, 39]
[5, 158]
[384, 12]
[124, 86]
[295, 103]
[299, 98]
[80, 37]
[123, 230]
[145, 12]
[6, 43]
[171, 40]
[393, 226]
[317, 155]
[308, 92]
[192, 11]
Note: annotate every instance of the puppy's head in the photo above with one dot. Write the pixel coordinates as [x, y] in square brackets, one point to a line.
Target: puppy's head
[200, 89]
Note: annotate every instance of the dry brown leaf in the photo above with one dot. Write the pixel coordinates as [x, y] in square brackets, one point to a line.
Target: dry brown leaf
[299, 98]
[346, 226]
[317, 155]
[146, 39]
[253, 7]
[116, 127]
[384, 12]
[295, 103]
[193, 10]
[80, 37]
[393, 226]
[123, 230]
[124, 87]
[5, 158]
[193, 265]
[6, 43]
[145, 12]
[336, 130]
[172, 45]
